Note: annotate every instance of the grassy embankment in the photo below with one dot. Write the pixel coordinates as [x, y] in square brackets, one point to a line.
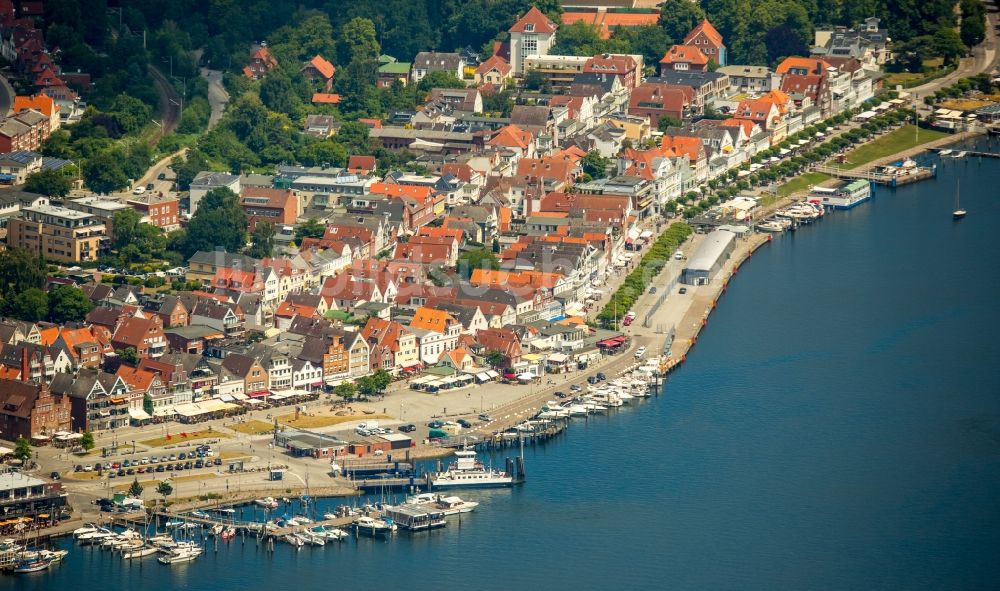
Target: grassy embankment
[904, 138]
[899, 140]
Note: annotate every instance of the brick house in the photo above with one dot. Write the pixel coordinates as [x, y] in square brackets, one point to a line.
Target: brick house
[706, 38]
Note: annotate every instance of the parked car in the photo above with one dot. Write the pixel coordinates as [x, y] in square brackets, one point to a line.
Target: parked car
[682, 290]
[139, 190]
[464, 423]
[199, 464]
[218, 461]
[130, 472]
[144, 461]
[435, 424]
[149, 186]
[181, 456]
[160, 468]
[485, 417]
[170, 467]
[121, 472]
[652, 289]
[78, 468]
[560, 394]
[162, 176]
[112, 474]
[575, 388]
[172, 457]
[640, 352]
[592, 380]
[407, 428]
[601, 377]
[54, 475]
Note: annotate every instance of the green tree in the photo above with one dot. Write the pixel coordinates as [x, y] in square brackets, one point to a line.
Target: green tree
[595, 165]
[439, 79]
[219, 221]
[130, 113]
[948, 44]
[124, 227]
[650, 41]
[382, 380]
[164, 489]
[147, 404]
[357, 42]
[668, 121]
[187, 168]
[973, 28]
[496, 358]
[20, 270]
[367, 386]
[128, 355]
[579, 38]
[104, 174]
[476, 259]
[311, 228]
[262, 238]
[135, 489]
[48, 182]
[68, 303]
[678, 17]
[31, 304]
[22, 449]
[345, 390]
[354, 136]
[277, 94]
[87, 441]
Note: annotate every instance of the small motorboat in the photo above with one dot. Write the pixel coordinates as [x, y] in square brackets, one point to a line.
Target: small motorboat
[140, 552]
[32, 565]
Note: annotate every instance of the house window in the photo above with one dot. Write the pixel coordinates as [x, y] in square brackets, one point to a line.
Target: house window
[529, 28]
[530, 45]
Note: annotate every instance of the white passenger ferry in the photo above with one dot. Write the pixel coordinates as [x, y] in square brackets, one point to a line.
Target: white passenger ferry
[468, 472]
[845, 196]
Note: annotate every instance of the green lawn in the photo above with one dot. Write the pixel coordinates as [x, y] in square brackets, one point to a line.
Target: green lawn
[801, 183]
[901, 139]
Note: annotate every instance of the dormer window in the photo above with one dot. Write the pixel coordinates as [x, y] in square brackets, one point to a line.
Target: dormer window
[529, 28]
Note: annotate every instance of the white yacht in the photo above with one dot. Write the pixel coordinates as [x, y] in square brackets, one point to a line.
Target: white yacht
[468, 472]
[451, 505]
[181, 554]
[372, 527]
[141, 552]
[86, 529]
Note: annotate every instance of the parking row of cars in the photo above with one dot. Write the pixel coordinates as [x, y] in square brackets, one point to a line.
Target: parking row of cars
[200, 457]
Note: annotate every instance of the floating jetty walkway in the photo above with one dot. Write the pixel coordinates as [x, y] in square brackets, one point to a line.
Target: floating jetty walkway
[875, 176]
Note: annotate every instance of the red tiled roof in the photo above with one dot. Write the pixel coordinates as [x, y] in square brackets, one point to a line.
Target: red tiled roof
[812, 65]
[607, 20]
[361, 163]
[326, 98]
[323, 67]
[494, 62]
[535, 17]
[417, 192]
[512, 136]
[684, 54]
[710, 32]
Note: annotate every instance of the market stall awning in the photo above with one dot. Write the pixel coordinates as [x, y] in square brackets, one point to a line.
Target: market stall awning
[138, 414]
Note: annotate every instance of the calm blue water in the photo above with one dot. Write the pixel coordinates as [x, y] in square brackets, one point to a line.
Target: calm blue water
[836, 427]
